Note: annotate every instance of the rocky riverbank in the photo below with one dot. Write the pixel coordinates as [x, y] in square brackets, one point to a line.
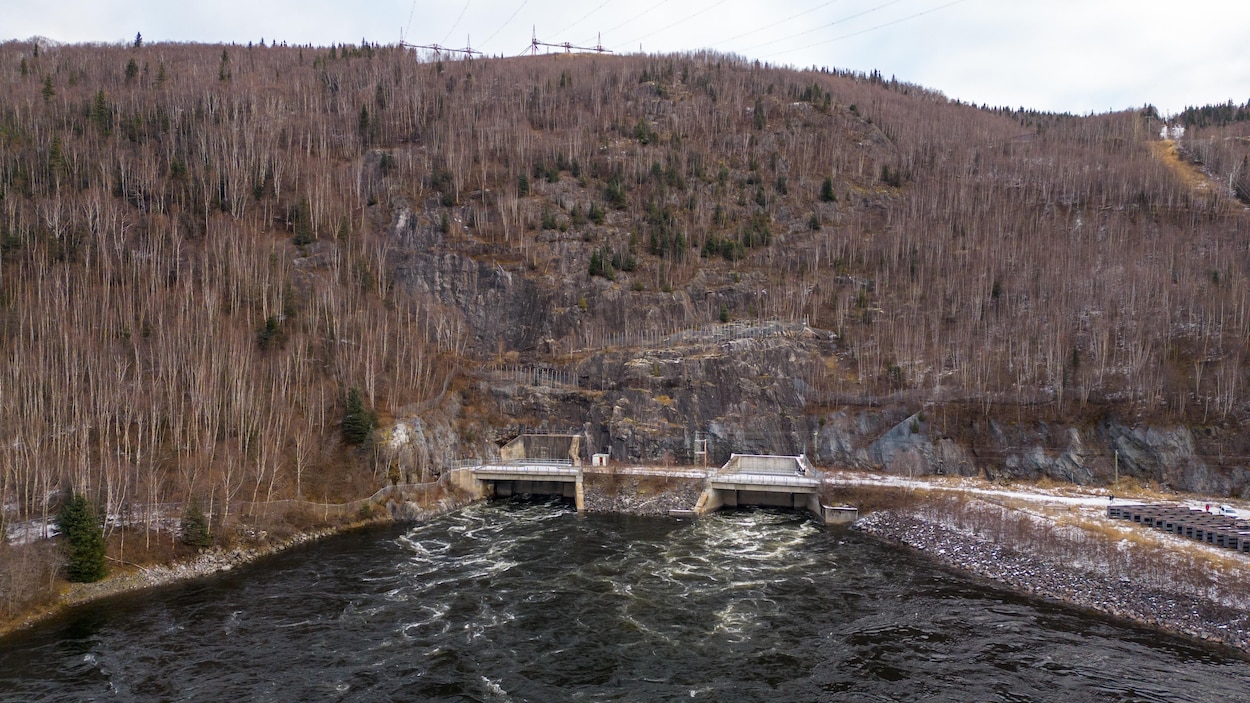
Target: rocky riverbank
[206, 563]
[1037, 575]
[641, 494]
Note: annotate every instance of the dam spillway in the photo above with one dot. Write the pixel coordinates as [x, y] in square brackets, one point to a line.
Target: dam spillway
[745, 480]
[550, 464]
[770, 481]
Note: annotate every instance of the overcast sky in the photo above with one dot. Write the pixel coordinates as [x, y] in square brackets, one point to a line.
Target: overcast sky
[1062, 55]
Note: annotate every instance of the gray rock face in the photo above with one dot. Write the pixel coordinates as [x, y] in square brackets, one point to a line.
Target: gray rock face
[1167, 455]
[648, 399]
[421, 444]
[497, 306]
[654, 403]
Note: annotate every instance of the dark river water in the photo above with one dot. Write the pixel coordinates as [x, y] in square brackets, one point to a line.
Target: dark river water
[528, 602]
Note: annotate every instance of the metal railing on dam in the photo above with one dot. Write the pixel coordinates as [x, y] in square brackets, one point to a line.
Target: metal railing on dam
[528, 470]
[765, 481]
[476, 463]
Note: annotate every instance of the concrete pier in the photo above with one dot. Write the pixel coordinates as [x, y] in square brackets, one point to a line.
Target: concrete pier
[534, 478]
[745, 480]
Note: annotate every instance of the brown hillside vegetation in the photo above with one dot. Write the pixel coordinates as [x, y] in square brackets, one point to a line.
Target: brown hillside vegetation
[206, 249]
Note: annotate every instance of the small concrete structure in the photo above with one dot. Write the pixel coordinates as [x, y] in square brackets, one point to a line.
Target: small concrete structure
[770, 480]
[767, 464]
[599, 459]
[543, 447]
[839, 514]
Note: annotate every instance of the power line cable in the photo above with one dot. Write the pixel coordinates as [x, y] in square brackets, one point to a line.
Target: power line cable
[713, 6]
[774, 24]
[637, 16]
[826, 26]
[583, 17]
[408, 28]
[871, 29]
[457, 23]
[506, 22]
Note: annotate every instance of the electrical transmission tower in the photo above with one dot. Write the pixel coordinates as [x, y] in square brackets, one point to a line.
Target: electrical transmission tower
[468, 50]
[567, 46]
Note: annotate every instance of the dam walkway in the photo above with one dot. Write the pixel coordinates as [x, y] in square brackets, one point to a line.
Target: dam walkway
[745, 480]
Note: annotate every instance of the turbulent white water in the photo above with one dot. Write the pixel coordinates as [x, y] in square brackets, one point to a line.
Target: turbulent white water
[528, 602]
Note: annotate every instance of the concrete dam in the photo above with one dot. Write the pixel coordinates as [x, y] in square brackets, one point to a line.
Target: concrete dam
[551, 465]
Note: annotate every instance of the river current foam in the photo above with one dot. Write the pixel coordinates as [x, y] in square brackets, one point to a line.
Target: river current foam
[529, 602]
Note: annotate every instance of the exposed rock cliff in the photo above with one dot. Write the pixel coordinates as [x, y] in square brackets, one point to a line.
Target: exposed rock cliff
[744, 392]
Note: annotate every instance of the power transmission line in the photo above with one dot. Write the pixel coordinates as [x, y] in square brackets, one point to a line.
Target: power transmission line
[826, 26]
[774, 24]
[457, 23]
[408, 27]
[506, 22]
[871, 29]
[583, 17]
[568, 47]
[713, 6]
[637, 16]
[438, 50]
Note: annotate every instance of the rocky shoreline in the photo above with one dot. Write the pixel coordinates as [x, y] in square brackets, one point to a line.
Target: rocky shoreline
[1036, 575]
[1027, 573]
[206, 563]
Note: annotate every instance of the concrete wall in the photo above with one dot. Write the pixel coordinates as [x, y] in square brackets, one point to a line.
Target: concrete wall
[781, 465]
[464, 480]
[556, 446]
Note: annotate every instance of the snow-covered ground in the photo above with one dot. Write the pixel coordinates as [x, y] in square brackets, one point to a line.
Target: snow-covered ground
[1068, 549]
[1098, 498]
[164, 518]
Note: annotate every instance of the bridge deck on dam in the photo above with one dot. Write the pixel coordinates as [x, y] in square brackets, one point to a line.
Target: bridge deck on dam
[765, 482]
[768, 480]
[532, 476]
[528, 471]
[777, 481]
[768, 473]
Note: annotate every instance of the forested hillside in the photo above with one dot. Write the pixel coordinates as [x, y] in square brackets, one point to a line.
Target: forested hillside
[207, 248]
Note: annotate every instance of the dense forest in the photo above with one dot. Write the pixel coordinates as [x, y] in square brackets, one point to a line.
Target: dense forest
[218, 261]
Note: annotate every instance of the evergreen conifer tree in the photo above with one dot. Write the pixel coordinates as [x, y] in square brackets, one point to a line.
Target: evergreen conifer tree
[84, 540]
[102, 113]
[193, 530]
[358, 423]
[826, 191]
